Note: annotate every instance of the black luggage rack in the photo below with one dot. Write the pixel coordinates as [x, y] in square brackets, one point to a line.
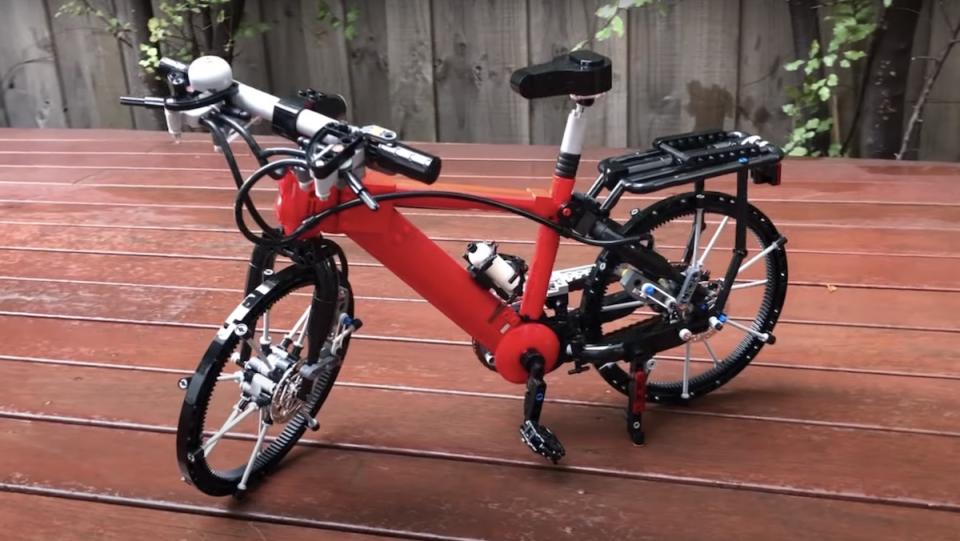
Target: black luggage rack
[692, 157]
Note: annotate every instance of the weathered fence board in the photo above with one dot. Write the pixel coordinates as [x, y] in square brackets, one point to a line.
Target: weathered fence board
[940, 130]
[304, 51]
[683, 70]
[30, 91]
[765, 45]
[556, 26]
[439, 69]
[410, 64]
[91, 68]
[477, 44]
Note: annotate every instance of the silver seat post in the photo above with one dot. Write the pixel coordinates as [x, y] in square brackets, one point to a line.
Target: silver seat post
[571, 147]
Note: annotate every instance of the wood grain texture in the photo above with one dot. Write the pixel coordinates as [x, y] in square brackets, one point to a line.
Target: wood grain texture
[369, 73]
[250, 56]
[765, 45]
[304, 51]
[410, 63]
[477, 45]
[683, 73]
[30, 94]
[91, 67]
[939, 132]
[555, 27]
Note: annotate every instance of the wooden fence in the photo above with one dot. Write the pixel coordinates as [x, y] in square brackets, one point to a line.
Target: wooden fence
[439, 69]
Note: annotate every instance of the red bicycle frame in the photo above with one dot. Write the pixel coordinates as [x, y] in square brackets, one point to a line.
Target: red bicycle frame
[439, 278]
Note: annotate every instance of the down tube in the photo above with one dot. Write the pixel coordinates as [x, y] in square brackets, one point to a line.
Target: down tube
[438, 278]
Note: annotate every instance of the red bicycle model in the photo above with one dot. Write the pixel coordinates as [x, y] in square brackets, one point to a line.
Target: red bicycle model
[649, 290]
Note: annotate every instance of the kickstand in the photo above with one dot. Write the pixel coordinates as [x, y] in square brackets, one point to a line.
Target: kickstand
[637, 398]
[538, 437]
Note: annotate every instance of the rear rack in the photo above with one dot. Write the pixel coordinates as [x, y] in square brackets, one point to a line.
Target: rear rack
[692, 157]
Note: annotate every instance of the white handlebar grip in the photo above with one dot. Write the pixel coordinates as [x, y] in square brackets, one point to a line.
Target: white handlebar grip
[210, 73]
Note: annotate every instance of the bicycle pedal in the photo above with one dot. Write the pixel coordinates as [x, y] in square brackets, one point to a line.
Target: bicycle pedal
[542, 441]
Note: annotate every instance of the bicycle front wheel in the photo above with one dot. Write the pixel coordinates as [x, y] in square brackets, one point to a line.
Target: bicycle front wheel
[237, 425]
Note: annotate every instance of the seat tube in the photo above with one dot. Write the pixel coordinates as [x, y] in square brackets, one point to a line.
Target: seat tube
[548, 240]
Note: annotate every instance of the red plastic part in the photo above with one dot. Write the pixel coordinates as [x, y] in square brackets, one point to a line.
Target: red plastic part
[442, 280]
[520, 340]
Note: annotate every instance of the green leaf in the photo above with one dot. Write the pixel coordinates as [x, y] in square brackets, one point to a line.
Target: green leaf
[579, 45]
[887, 3]
[829, 59]
[603, 34]
[616, 24]
[795, 65]
[854, 55]
[812, 124]
[798, 151]
[812, 65]
[844, 63]
[835, 149]
[832, 80]
[789, 109]
[607, 11]
[824, 93]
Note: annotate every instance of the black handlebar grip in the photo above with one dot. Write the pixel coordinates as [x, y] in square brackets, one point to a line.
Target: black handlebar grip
[407, 161]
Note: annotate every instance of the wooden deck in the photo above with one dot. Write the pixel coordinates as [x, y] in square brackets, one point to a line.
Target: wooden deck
[120, 258]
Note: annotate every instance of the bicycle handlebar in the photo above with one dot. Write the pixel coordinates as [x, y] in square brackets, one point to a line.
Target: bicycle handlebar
[212, 81]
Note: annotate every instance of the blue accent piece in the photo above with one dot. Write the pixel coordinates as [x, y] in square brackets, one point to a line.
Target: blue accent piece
[649, 290]
[347, 321]
[539, 397]
[744, 159]
[722, 318]
[703, 306]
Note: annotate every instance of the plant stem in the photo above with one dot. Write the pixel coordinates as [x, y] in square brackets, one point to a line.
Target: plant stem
[938, 62]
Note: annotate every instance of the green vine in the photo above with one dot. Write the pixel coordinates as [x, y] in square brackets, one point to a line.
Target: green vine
[853, 21]
[611, 19]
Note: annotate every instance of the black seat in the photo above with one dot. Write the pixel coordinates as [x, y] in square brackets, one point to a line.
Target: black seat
[581, 73]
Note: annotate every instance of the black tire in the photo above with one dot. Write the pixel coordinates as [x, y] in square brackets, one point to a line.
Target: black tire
[770, 306]
[326, 283]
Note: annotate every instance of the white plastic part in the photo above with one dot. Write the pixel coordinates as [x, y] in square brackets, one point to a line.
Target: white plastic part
[210, 74]
[501, 273]
[574, 132]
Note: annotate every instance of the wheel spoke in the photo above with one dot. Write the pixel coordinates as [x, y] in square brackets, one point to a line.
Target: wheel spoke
[706, 344]
[745, 285]
[713, 240]
[761, 335]
[261, 435]
[773, 246]
[235, 417]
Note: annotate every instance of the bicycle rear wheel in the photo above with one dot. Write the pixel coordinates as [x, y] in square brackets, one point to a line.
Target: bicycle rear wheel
[218, 420]
[754, 305]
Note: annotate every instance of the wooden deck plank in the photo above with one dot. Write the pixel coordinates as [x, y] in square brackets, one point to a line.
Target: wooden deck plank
[868, 401]
[830, 412]
[41, 518]
[870, 351]
[864, 462]
[817, 306]
[420, 494]
[814, 269]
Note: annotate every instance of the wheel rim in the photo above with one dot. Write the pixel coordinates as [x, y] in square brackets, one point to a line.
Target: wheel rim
[754, 304]
[222, 447]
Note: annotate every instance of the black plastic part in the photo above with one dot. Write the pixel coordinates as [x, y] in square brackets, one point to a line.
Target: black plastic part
[567, 165]
[580, 73]
[285, 114]
[331, 105]
[390, 157]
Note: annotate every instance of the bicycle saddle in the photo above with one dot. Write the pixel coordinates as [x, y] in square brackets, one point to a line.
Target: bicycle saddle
[581, 73]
